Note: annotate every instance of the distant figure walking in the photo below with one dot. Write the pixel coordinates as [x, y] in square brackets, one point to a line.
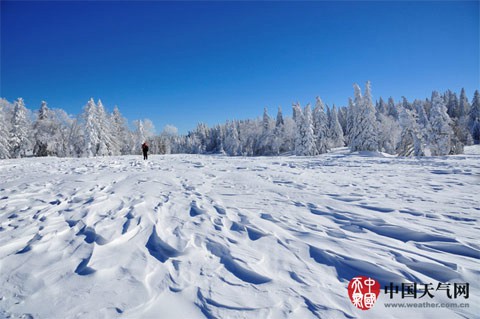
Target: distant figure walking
[145, 150]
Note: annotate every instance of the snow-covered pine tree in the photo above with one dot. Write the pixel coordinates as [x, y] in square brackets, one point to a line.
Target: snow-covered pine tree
[194, 145]
[279, 134]
[218, 137]
[382, 107]
[474, 118]
[336, 132]
[452, 104]
[392, 108]
[349, 121]
[342, 118]
[411, 142]
[305, 136]
[232, 140]
[389, 133]
[279, 121]
[462, 130]
[364, 137]
[19, 142]
[250, 136]
[297, 111]
[75, 137]
[289, 136]
[196, 139]
[328, 113]
[458, 111]
[320, 127]
[203, 135]
[168, 135]
[91, 138]
[406, 105]
[463, 105]
[120, 133]
[266, 141]
[62, 122]
[104, 132]
[423, 122]
[44, 132]
[442, 133]
[297, 118]
[4, 146]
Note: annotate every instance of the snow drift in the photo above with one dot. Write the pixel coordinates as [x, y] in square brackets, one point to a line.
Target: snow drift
[190, 236]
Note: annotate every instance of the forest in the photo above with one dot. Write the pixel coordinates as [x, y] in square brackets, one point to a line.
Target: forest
[440, 125]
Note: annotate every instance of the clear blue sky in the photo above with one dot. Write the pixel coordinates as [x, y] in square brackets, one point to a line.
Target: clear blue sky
[186, 62]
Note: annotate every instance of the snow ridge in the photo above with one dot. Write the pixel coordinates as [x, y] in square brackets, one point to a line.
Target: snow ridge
[191, 236]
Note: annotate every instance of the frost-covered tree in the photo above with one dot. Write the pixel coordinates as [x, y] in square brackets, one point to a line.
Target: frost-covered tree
[392, 108]
[203, 134]
[279, 121]
[336, 132]
[45, 132]
[267, 139]
[19, 142]
[411, 142]
[305, 136]
[198, 139]
[458, 111]
[218, 138]
[193, 144]
[388, 129]
[232, 140]
[148, 128]
[105, 143]
[63, 124]
[382, 107]
[423, 122]
[406, 105]
[474, 118]
[349, 121]
[463, 105]
[451, 102]
[4, 146]
[461, 128]
[278, 138]
[75, 137]
[121, 144]
[91, 138]
[168, 136]
[297, 119]
[296, 111]
[342, 119]
[442, 133]
[139, 136]
[320, 127]
[364, 136]
[250, 134]
[389, 133]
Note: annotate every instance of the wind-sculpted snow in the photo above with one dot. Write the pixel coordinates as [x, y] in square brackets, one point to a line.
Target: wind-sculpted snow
[186, 236]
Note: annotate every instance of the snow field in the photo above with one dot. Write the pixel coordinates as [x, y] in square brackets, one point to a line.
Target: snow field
[187, 236]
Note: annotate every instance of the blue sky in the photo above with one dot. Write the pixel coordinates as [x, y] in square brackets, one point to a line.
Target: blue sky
[182, 63]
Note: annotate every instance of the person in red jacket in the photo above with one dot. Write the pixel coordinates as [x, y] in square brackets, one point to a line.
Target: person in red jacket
[145, 150]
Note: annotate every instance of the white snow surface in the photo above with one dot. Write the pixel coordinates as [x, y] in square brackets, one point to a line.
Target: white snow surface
[192, 236]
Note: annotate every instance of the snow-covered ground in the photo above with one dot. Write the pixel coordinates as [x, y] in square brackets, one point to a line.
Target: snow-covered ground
[185, 236]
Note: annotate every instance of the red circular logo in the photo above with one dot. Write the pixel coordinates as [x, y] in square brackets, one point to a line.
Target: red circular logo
[363, 292]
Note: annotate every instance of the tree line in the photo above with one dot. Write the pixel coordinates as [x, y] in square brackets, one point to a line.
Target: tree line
[440, 125]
